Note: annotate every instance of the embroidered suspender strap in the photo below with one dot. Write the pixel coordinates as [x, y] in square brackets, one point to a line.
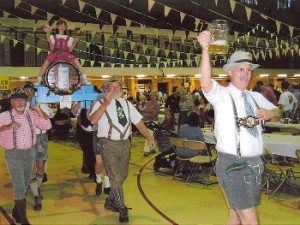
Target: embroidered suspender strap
[237, 120]
[255, 103]
[237, 125]
[31, 128]
[15, 132]
[122, 134]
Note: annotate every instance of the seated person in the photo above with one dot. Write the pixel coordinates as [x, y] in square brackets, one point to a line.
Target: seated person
[191, 131]
[169, 120]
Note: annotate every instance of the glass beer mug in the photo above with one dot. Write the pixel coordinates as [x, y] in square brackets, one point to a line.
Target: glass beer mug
[218, 44]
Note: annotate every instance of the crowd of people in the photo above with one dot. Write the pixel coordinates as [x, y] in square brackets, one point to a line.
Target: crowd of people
[184, 113]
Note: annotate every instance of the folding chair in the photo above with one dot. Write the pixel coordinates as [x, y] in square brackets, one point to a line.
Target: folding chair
[178, 142]
[279, 174]
[200, 161]
[298, 157]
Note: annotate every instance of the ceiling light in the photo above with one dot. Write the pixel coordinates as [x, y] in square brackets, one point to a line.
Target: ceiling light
[198, 75]
[140, 75]
[23, 77]
[171, 75]
[297, 75]
[105, 76]
[264, 75]
[282, 75]
[222, 75]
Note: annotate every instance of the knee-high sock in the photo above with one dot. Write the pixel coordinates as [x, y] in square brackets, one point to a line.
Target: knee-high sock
[34, 186]
[98, 178]
[39, 179]
[106, 182]
[118, 197]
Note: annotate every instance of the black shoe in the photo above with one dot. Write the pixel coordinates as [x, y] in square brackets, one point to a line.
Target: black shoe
[152, 151]
[108, 205]
[123, 215]
[45, 178]
[37, 203]
[149, 153]
[85, 169]
[98, 188]
[16, 215]
[92, 176]
[107, 190]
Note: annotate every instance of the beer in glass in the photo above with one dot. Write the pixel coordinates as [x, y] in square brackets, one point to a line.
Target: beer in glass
[218, 44]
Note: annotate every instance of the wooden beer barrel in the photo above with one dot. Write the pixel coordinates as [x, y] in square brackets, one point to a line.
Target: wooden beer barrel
[62, 78]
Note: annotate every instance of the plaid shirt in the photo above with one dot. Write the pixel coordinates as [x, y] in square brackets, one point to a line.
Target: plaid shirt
[24, 133]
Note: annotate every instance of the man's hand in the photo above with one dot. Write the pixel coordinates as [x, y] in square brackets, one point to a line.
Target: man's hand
[204, 39]
[265, 114]
[151, 143]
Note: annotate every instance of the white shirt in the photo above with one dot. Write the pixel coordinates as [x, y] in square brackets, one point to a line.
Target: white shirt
[225, 126]
[287, 99]
[63, 36]
[103, 125]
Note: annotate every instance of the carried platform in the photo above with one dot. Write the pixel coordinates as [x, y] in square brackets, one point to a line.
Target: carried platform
[85, 95]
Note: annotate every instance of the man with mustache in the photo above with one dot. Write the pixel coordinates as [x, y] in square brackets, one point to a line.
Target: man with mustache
[239, 116]
[18, 138]
[114, 116]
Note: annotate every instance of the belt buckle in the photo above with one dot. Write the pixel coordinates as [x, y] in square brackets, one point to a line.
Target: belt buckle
[248, 121]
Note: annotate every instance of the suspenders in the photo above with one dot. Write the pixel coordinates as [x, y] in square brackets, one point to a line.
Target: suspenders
[15, 132]
[112, 125]
[237, 120]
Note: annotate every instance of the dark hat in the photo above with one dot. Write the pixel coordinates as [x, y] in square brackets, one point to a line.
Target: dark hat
[18, 93]
[30, 85]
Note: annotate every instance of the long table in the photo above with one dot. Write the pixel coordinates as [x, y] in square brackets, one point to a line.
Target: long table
[282, 125]
[283, 145]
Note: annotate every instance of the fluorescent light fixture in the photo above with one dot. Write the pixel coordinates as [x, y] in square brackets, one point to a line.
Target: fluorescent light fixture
[297, 75]
[282, 75]
[198, 75]
[105, 76]
[23, 77]
[222, 75]
[140, 75]
[171, 75]
[264, 75]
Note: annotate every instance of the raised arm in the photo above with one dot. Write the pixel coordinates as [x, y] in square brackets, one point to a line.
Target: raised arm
[205, 67]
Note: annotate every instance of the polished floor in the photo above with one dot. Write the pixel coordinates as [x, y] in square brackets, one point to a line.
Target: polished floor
[69, 196]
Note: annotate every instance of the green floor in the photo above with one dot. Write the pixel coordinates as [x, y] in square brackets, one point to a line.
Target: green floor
[69, 196]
